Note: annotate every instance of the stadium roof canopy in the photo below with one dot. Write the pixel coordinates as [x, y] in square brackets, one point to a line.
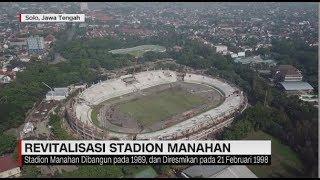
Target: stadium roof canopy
[219, 171]
[296, 86]
[58, 92]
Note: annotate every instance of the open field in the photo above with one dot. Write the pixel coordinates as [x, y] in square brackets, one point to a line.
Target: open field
[284, 163]
[156, 107]
[118, 116]
[94, 115]
[138, 51]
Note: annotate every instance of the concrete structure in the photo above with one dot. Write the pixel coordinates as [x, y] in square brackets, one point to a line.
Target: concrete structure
[57, 94]
[289, 79]
[247, 49]
[79, 110]
[9, 167]
[218, 171]
[309, 98]
[35, 44]
[296, 87]
[234, 55]
[4, 79]
[221, 48]
[84, 6]
[241, 54]
[28, 127]
[287, 73]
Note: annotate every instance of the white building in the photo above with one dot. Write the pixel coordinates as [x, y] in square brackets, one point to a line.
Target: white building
[57, 94]
[24, 58]
[16, 69]
[84, 6]
[248, 49]
[35, 44]
[28, 127]
[221, 48]
[241, 54]
[4, 79]
[234, 55]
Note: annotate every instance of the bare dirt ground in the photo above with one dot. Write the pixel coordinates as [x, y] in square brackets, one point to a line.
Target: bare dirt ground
[39, 117]
[58, 169]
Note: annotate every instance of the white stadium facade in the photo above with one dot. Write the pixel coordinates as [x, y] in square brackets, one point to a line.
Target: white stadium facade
[78, 109]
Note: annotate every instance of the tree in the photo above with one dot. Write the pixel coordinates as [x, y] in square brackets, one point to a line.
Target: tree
[7, 143]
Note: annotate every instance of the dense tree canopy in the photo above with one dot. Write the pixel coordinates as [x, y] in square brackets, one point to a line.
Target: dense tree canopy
[289, 119]
[7, 143]
[299, 54]
[19, 96]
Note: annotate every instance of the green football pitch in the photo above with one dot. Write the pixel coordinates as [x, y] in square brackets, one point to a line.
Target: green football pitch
[138, 51]
[156, 107]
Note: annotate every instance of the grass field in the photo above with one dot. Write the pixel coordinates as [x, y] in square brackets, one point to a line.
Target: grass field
[94, 115]
[284, 163]
[138, 51]
[156, 107]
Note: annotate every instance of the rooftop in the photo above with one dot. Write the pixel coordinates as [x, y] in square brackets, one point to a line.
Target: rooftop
[50, 37]
[296, 85]
[288, 70]
[58, 92]
[7, 163]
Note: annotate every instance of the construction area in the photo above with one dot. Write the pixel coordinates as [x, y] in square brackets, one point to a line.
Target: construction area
[157, 107]
[157, 104]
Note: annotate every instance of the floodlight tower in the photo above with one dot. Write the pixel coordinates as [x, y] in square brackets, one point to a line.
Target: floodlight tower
[49, 88]
[134, 66]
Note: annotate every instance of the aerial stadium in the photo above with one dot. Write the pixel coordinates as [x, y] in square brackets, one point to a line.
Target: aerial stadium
[154, 105]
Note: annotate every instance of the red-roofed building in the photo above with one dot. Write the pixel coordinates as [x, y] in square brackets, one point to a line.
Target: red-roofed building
[9, 73]
[9, 167]
[287, 73]
[100, 16]
[49, 39]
